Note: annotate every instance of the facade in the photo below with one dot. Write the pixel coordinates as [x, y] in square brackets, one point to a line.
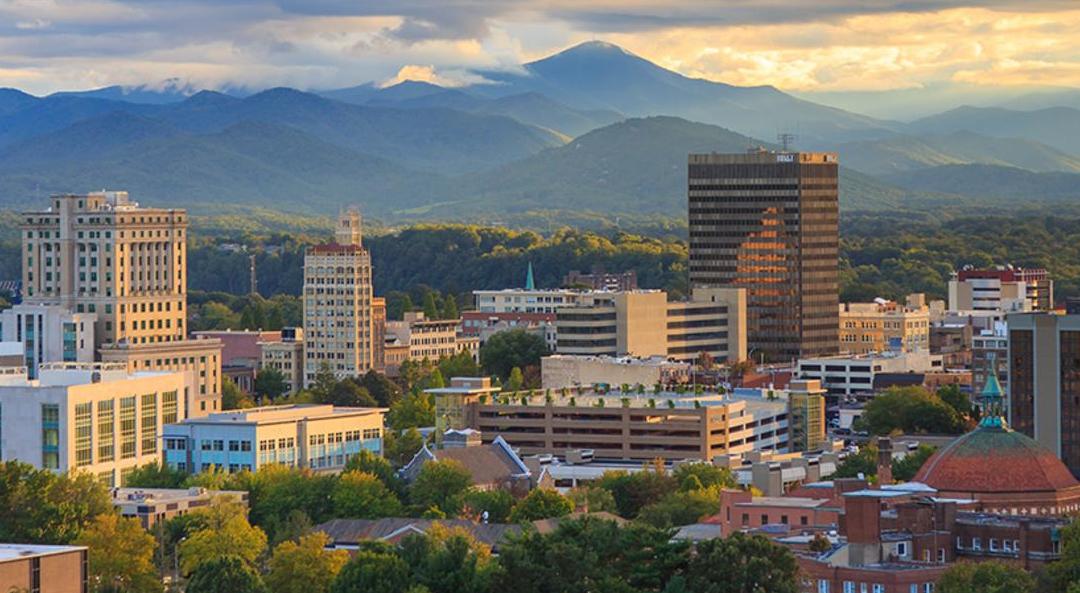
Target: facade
[484, 325]
[851, 376]
[49, 333]
[286, 356]
[240, 347]
[378, 322]
[44, 569]
[806, 416]
[768, 222]
[102, 254]
[1044, 382]
[524, 300]
[616, 425]
[644, 323]
[562, 370]
[152, 506]
[990, 355]
[339, 328]
[599, 280]
[92, 417]
[884, 325]
[319, 437]
[1004, 288]
[430, 339]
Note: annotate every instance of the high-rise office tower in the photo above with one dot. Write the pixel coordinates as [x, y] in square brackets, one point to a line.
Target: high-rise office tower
[768, 222]
[103, 254]
[338, 318]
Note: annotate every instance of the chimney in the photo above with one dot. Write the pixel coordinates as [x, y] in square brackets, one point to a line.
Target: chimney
[884, 461]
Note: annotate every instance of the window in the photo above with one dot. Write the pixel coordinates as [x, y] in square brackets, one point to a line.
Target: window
[106, 431]
[993, 544]
[976, 543]
[50, 436]
[849, 587]
[149, 423]
[901, 549]
[822, 586]
[941, 555]
[879, 588]
[84, 431]
[169, 413]
[127, 427]
[928, 587]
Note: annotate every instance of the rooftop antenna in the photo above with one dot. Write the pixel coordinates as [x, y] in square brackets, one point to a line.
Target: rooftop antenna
[786, 140]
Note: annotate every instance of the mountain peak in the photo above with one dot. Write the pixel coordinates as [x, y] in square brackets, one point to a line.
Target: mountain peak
[587, 51]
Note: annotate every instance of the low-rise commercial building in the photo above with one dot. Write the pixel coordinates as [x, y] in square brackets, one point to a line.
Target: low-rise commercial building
[853, 376]
[319, 437]
[430, 339]
[49, 333]
[1003, 288]
[482, 325]
[525, 300]
[43, 569]
[92, 417]
[152, 506]
[239, 347]
[287, 357]
[562, 370]
[885, 325]
[199, 361]
[600, 280]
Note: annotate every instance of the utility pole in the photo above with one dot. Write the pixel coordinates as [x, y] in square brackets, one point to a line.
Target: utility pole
[251, 269]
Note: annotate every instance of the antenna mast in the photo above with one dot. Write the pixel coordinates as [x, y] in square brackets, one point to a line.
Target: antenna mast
[786, 140]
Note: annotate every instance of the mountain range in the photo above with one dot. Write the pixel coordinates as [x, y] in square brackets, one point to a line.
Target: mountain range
[591, 129]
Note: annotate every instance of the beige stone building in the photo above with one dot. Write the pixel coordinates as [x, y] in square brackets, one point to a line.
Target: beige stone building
[644, 323]
[92, 417]
[885, 325]
[339, 329]
[287, 356]
[562, 370]
[103, 254]
[430, 339]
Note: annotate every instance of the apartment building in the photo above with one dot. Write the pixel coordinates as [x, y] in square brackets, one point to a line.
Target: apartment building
[615, 425]
[644, 323]
[285, 356]
[339, 328]
[885, 325]
[92, 417]
[102, 254]
[430, 339]
[1003, 288]
[43, 569]
[49, 333]
[768, 222]
[319, 437]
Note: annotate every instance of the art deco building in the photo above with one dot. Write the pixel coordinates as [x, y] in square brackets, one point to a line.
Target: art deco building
[767, 222]
[339, 329]
[102, 254]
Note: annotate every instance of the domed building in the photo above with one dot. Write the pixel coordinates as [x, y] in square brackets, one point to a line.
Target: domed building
[1004, 470]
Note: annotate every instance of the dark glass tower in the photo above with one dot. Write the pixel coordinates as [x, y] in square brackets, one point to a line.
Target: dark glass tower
[768, 222]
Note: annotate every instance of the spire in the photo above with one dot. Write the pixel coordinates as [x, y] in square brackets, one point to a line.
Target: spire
[991, 397]
[530, 283]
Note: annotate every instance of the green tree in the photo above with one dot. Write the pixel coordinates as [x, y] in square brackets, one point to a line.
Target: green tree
[461, 364]
[592, 499]
[271, 383]
[741, 563]
[683, 507]
[634, 491]
[905, 468]
[360, 495]
[323, 383]
[514, 348]
[431, 310]
[911, 410]
[231, 396]
[120, 551]
[1062, 576]
[276, 491]
[516, 381]
[449, 560]
[400, 449]
[985, 577]
[156, 475]
[225, 574]
[369, 462]
[348, 394]
[413, 411]
[385, 391]
[372, 572]
[305, 566]
[957, 400]
[497, 503]
[440, 484]
[450, 308]
[39, 506]
[541, 503]
[225, 532]
[706, 474]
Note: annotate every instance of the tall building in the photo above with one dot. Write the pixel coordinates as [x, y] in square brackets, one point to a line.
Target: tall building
[339, 329]
[884, 325]
[768, 222]
[48, 333]
[806, 416]
[1044, 382]
[1003, 288]
[102, 254]
[91, 417]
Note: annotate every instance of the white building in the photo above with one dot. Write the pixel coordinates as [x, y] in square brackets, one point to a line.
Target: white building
[91, 417]
[523, 300]
[49, 333]
[854, 375]
[319, 437]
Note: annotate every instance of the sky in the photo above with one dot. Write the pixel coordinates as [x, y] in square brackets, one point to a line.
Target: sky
[850, 52]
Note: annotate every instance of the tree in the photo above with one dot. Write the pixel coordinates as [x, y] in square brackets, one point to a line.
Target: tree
[305, 566]
[385, 391]
[120, 551]
[400, 449]
[1063, 575]
[905, 468]
[232, 398]
[450, 309]
[634, 491]
[225, 532]
[706, 474]
[412, 411]
[497, 503]
[277, 491]
[440, 484]
[156, 475]
[271, 383]
[957, 400]
[911, 410]
[985, 577]
[514, 348]
[516, 381]
[323, 383]
[460, 364]
[225, 574]
[592, 499]
[541, 503]
[372, 572]
[741, 563]
[682, 508]
[39, 506]
[431, 310]
[820, 544]
[366, 461]
[449, 560]
[360, 495]
[348, 394]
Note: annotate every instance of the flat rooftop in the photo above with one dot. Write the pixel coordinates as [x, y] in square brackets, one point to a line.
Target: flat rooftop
[145, 495]
[9, 552]
[784, 501]
[284, 413]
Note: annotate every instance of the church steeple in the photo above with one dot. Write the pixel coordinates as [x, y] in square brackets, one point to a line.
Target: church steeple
[530, 283]
[991, 398]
